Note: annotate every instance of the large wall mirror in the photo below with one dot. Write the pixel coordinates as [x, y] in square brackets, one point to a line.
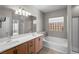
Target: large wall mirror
[14, 25]
[23, 24]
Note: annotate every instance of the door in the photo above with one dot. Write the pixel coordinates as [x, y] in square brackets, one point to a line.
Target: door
[75, 44]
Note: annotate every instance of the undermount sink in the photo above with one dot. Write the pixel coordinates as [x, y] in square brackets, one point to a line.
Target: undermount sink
[33, 34]
[12, 42]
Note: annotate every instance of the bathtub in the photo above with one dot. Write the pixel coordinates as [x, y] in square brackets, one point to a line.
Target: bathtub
[57, 44]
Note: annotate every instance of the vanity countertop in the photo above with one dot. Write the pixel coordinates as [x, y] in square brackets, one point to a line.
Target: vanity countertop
[17, 40]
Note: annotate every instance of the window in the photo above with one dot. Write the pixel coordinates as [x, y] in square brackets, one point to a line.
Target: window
[56, 24]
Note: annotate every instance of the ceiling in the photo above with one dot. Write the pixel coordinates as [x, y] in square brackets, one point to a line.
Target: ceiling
[43, 8]
[49, 8]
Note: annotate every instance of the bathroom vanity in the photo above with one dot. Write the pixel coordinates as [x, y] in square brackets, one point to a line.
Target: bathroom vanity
[30, 44]
[17, 33]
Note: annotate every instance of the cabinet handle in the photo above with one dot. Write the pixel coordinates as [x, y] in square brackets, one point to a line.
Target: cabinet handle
[39, 39]
[14, 51]
[31, 42]
[30, 45]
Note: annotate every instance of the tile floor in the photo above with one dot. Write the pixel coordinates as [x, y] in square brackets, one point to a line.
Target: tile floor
[46, 50]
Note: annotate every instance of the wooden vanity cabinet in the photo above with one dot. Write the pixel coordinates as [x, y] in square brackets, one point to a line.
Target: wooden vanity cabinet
[10, 51]
[22, 49]
[38, 44]
[31, 47]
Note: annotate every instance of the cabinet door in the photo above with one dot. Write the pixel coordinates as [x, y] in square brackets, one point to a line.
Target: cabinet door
[36, 45]
[40, 43]
[21, 49]
[10, 51]
[31, 46]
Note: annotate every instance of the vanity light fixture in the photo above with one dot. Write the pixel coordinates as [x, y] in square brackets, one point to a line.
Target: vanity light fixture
[26, 13]
[29, 14]
[21, 11]
[16, 12]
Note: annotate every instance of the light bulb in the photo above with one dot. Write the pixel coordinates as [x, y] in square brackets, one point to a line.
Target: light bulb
[23, 12]
[29, 14]
[16, 12]
[20, 12]
[26, 13]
